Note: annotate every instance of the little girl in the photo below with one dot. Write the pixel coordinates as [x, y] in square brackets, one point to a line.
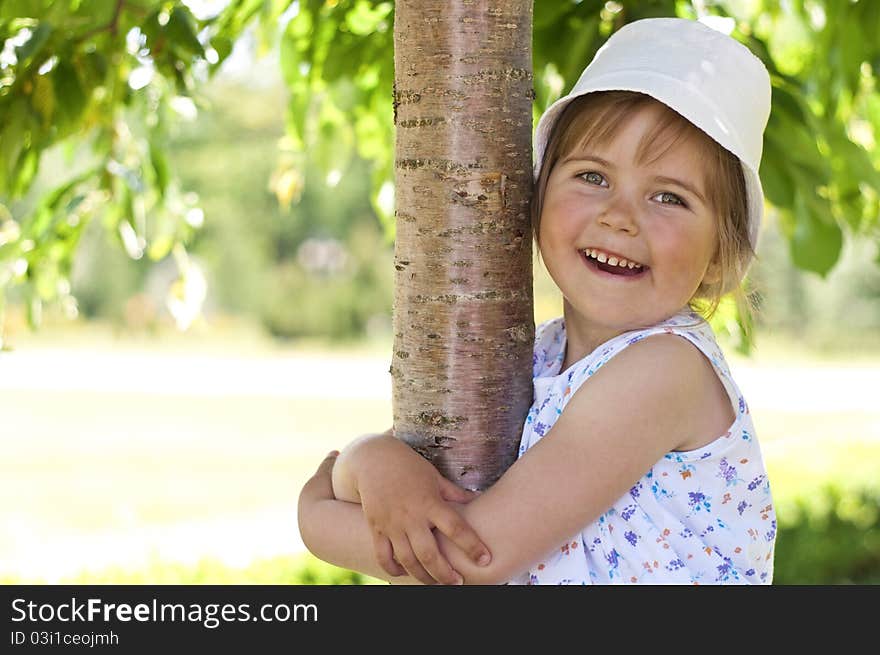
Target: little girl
[638, 461]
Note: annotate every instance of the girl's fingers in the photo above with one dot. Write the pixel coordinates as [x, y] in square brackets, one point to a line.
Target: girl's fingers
[424, 545]
[403, 553]
[320, 485]
[460, 532]
[326, 465]
[385, 556]
[452, 492]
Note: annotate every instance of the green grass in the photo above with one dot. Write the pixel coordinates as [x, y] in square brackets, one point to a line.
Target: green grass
[84, 463]
[298, 569]
[89, 458]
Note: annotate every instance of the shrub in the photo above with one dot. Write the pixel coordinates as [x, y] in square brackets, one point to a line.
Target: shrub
[831, 537]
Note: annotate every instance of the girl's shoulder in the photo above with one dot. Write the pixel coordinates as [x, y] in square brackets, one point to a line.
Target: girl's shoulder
[703, 354]
[658, 379]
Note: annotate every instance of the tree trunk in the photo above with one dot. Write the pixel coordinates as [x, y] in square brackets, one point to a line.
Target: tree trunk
[463, 308]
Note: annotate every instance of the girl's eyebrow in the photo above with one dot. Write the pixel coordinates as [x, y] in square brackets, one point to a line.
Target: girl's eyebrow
[584, 157]
[684, 185]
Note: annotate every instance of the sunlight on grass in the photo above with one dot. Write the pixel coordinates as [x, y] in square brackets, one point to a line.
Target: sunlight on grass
[115, 485]
[298, 569]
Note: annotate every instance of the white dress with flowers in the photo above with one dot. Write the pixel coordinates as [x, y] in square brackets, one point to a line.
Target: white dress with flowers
[703, 516]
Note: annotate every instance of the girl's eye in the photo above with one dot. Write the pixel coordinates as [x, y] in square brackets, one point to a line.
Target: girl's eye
[592, 177]
[670, 199]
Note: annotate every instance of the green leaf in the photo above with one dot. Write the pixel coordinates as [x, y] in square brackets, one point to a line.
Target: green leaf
[30, 48]
[94, 69]
[548, 13]
[72, 98]
[26, 171]
[12, 133]
[797, 139]
[181, 32]
[775, 177]
[38, 223]
[223, 47]
[160, 165]
[154, 32]
[43, 100]
[292, 49]
[300, 26]
[363, 19]
[782, 98]
[817, 240]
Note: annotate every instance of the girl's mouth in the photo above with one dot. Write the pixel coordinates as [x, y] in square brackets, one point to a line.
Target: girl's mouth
[610, 266]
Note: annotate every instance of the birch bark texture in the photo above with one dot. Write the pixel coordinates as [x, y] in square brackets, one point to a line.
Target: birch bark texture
[463, 313]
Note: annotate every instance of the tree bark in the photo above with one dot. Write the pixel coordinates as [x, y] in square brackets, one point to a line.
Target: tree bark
[463, 308]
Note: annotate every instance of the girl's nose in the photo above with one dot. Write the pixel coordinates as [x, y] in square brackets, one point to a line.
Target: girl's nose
[619, 214]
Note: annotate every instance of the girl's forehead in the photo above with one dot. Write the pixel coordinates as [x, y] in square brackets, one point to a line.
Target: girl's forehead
[652, 132]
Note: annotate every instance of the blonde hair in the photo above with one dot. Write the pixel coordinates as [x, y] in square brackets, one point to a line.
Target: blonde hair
[595, 118]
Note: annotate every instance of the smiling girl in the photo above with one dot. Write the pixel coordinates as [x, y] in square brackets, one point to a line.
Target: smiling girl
[639, 461]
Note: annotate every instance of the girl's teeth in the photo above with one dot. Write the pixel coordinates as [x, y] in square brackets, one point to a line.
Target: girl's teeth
[613, 261]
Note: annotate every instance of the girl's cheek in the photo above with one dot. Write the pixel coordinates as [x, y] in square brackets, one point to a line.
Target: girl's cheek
[575, 211]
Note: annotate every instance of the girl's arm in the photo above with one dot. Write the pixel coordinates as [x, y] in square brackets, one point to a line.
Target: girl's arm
[656, 396]
[336, 530]
[411, 501]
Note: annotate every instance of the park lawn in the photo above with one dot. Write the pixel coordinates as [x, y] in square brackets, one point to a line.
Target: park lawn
[82, 462]
[182, 458]
[233, 456]
[90, 459]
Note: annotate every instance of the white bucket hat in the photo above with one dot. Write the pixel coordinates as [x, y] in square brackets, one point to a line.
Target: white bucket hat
[708, 77]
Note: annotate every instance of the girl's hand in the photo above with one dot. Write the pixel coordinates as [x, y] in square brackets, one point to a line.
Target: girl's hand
[404, 499]
[319, 486]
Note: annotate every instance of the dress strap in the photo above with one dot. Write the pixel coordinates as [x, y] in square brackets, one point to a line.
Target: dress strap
[686, 324]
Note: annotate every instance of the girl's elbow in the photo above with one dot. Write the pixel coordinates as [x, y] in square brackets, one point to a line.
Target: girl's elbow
[307, 526]
[304, 532]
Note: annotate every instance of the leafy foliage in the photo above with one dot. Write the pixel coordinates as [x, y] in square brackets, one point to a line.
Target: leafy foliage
[114, 75]
[110, 75]
[832, 538]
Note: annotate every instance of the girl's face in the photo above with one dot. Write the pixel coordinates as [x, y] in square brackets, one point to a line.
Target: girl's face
[601, 206]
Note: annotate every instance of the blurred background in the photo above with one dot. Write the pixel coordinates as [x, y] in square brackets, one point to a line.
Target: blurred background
[165, 393]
